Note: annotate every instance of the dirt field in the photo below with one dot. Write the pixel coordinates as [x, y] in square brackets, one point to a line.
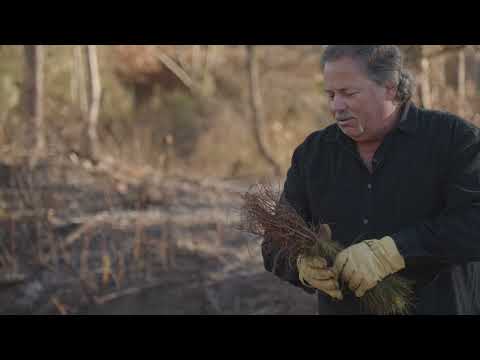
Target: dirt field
[167, 246]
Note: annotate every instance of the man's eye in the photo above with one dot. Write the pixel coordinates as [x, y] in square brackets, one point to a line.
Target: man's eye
[351, 94]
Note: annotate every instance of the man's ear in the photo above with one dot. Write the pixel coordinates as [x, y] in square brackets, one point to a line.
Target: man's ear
[391, 90]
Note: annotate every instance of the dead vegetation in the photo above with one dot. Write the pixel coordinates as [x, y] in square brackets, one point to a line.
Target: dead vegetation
[105, 248]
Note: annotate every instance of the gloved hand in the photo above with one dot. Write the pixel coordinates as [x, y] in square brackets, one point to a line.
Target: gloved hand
[313, 273]
[362, 266]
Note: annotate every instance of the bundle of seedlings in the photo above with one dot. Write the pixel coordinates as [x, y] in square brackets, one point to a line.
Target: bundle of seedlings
[262, 213]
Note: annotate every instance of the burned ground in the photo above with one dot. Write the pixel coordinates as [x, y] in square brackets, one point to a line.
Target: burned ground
[166, 246]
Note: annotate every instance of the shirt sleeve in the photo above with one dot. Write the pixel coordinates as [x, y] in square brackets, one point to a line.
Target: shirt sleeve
[454, 235]
[276, 259]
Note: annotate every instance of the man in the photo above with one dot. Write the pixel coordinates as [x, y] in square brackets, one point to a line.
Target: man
[398, 185]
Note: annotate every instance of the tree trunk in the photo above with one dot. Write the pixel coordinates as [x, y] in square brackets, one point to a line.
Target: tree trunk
[461, 94]
[425, 83]
[94, 94]
[203, 58]
[197, 61]
[79, 92]
[477, 71]
[257, 108]
[34, 74]
[438, 80]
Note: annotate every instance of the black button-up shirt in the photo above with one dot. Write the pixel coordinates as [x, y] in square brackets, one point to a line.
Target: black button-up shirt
[424, 191]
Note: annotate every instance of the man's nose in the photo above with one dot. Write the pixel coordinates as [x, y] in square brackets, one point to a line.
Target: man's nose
[338, 104]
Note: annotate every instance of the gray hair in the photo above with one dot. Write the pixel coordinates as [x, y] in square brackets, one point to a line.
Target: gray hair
[382, 63]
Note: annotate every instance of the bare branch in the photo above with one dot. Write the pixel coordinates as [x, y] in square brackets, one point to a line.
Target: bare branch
[256, 105]
[177, 71]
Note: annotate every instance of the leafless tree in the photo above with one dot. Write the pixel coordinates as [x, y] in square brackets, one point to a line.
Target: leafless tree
[426, 92]
[199, 61]
[477, 67]
[93, 95]
[256, 105]
[79, 91]
[34, 104]
[461, 95]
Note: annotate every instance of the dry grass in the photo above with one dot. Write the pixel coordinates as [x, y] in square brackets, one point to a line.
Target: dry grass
[87, 257]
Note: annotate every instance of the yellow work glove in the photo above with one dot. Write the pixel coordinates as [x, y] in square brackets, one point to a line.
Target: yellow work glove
[313, 273]
[362, 266]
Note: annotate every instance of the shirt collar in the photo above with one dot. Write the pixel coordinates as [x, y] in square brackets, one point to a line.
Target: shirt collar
[407, 123]
[408, 118]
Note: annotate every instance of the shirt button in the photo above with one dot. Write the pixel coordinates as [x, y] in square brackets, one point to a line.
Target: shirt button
[369, 186]
[365, 221]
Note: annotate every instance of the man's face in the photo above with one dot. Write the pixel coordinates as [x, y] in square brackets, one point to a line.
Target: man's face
[360, 106]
